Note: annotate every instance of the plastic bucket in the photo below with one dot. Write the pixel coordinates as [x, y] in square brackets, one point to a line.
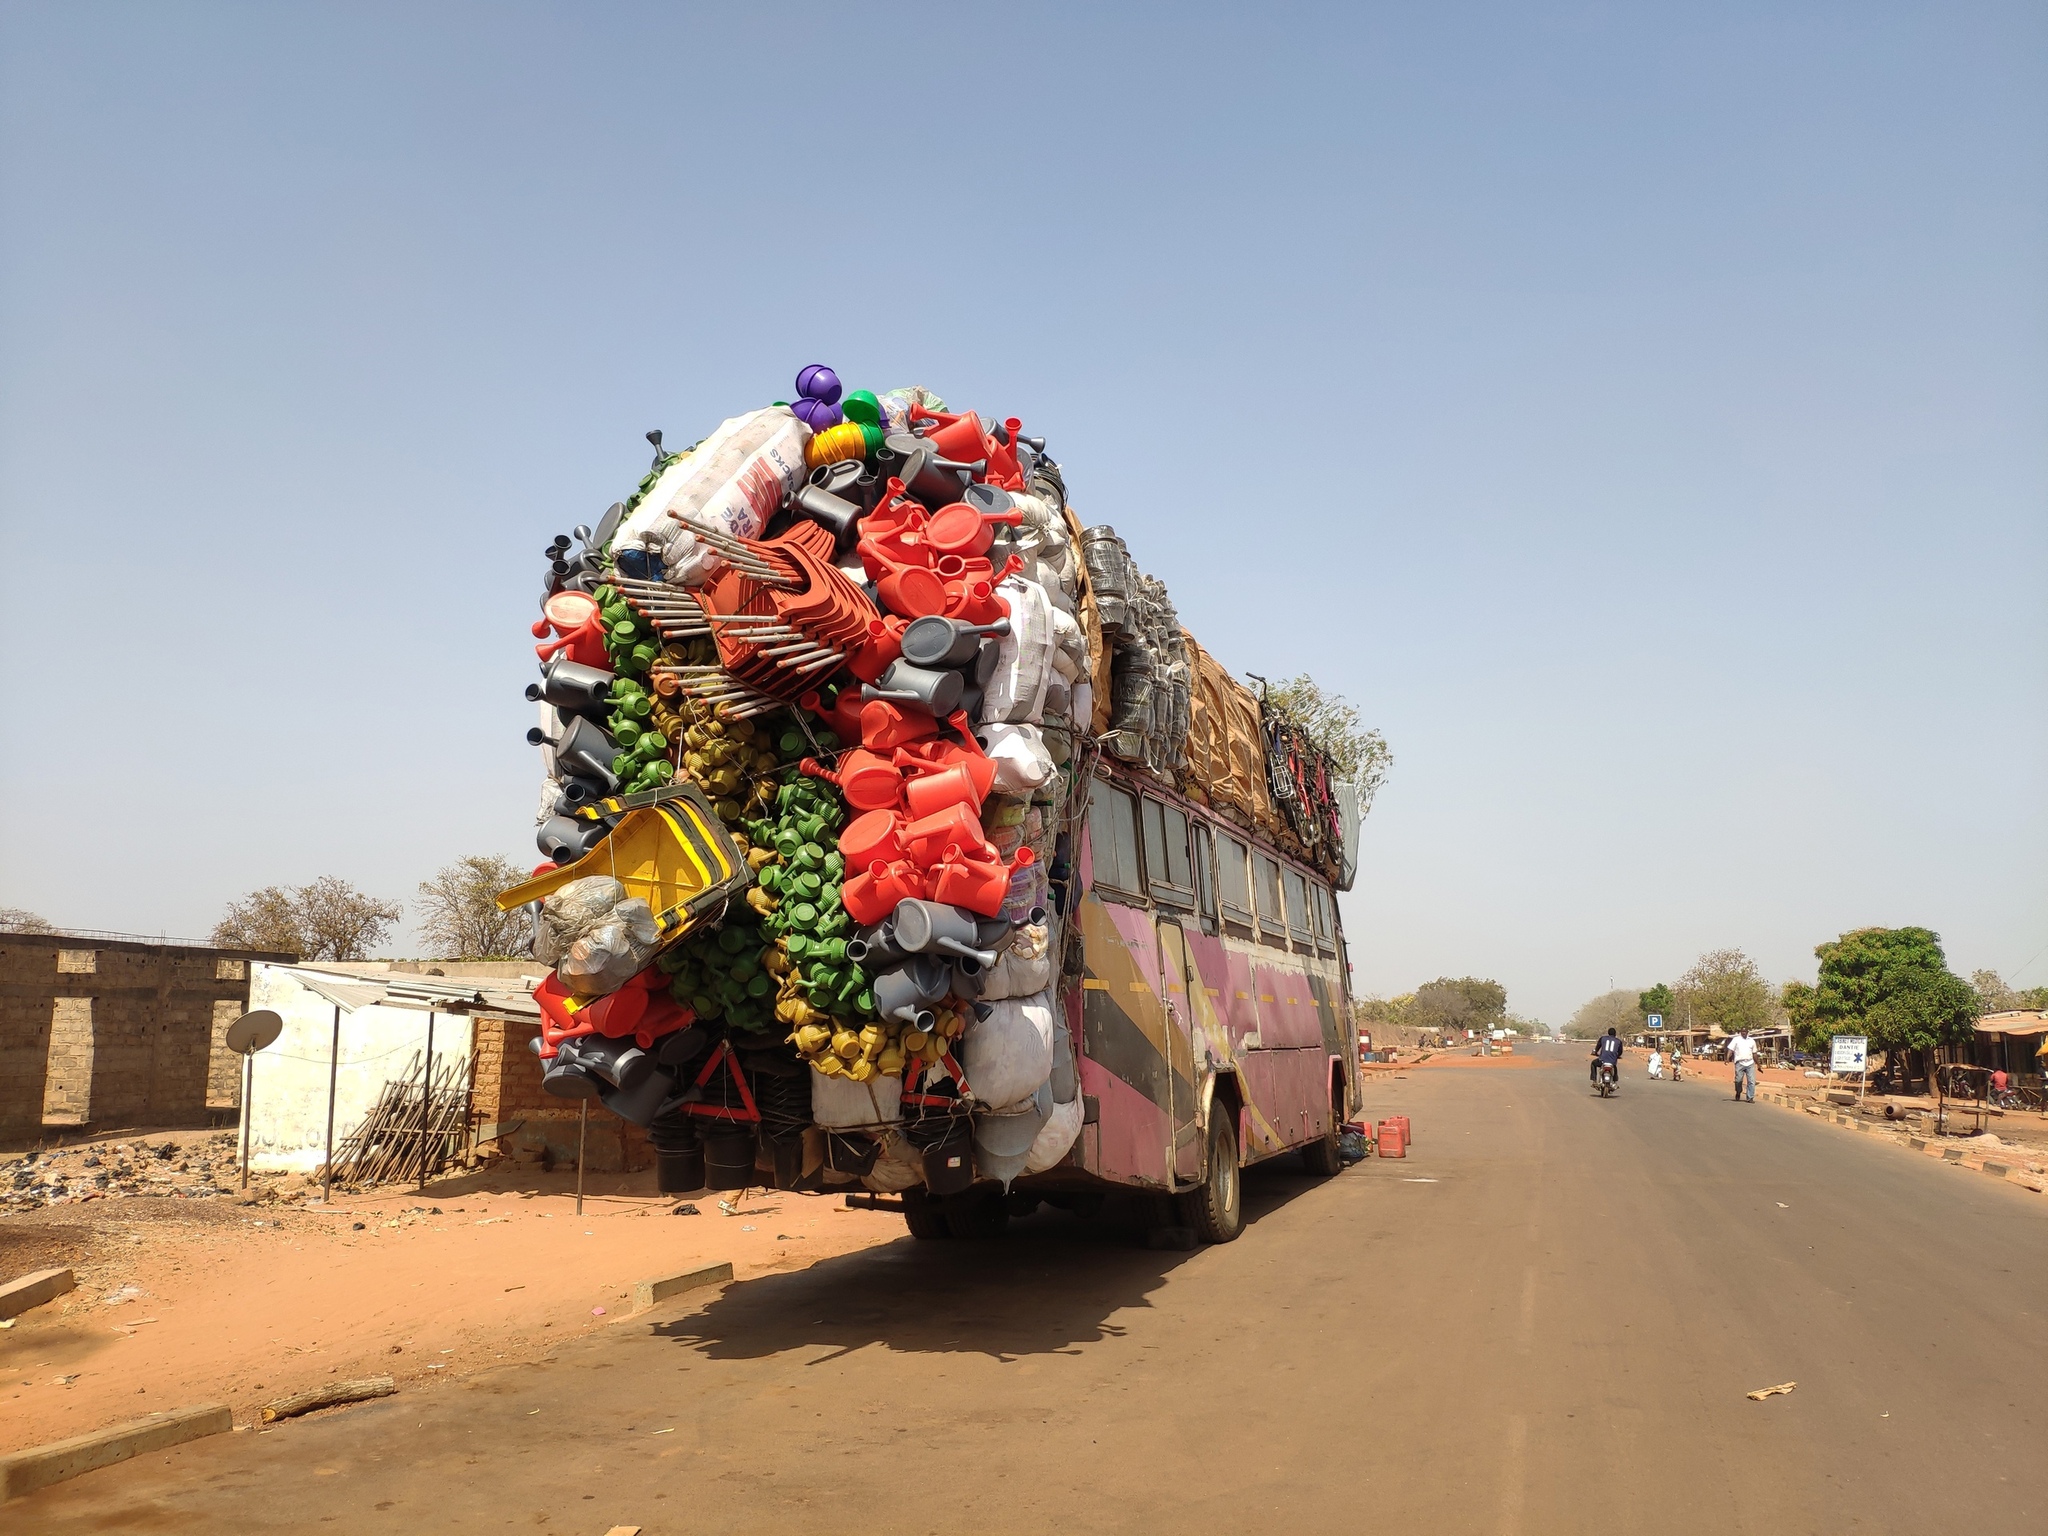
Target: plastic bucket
[729, 1159]
[949, 1161]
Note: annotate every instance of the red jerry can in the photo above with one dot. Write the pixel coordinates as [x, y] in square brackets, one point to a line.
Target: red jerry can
[1407, 1136]
[1391, 1142]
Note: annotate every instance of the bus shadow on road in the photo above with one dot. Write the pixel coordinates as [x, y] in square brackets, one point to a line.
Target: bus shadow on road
[1050, 1284]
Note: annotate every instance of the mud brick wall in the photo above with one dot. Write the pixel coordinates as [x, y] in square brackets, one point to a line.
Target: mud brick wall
[510, 1099]
[109, 1032]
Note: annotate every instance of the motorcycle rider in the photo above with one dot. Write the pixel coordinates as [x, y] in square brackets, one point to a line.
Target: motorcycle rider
[1606, 1052]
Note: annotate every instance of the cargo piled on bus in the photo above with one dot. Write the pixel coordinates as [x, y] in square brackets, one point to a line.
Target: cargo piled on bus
[898, 839]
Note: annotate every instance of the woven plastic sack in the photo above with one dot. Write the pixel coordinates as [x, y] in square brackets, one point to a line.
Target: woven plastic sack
[613, 953]
[1017, 690]
[1023, 968]
[1009, 1053]
[898, 1166]
[1056, 1137]
[736, 479]
[841, 1104]
[1018, 751]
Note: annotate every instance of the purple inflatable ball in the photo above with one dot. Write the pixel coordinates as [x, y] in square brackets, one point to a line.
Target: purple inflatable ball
[816, 414]
[818, 382]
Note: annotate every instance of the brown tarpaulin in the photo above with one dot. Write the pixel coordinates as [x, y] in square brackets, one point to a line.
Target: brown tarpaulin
[1226, 748]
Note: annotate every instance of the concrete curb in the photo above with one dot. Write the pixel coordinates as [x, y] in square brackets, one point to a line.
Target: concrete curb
[648, 1292]
[17, 1296]
[41, 1465]
[1954, 1156]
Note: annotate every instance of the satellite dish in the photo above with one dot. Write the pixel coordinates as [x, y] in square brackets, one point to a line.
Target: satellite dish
[253, 1031]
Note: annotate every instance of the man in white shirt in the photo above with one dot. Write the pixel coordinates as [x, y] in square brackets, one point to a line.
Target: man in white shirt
[1656, 1063]
[1742, 1051]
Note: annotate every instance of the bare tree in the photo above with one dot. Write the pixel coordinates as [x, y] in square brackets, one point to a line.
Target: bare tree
[327, 920]
[1616, 1009]
[21, 920]
[342, 922]
[267, 919]
[458, 911]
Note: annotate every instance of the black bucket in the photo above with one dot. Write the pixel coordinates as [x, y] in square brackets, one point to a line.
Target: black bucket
[680, 1173]
[729, 1159]
[949, 1160]
[787, 1154]
[850, 1152]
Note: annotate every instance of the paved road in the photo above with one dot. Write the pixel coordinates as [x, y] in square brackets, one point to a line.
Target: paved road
[1544, 1321]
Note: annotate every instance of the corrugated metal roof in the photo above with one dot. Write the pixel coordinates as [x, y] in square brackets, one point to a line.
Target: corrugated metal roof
[442, 994]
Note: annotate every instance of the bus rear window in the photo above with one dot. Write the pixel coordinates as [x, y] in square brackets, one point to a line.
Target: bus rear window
[1166, 852]
[1113, 838]
[1272, 916]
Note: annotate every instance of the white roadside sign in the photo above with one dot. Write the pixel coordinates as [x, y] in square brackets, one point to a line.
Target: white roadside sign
[1848, 1053]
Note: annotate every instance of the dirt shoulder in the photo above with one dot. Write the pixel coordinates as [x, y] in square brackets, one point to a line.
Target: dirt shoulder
[184, 1300]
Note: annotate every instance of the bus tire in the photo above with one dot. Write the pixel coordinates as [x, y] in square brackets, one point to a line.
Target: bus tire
[923, 1216]
[1322, 1157]
[977, 1216]
[1216, 1210]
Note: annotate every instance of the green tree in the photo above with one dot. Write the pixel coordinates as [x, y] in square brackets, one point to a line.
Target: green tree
[1724, 987]
[1464, 1002]
[1809, 1031]
[1893, 985]
[1617, 1009]
[1657, 1000]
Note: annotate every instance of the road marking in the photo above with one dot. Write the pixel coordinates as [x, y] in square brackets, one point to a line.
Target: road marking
[1511, 1475]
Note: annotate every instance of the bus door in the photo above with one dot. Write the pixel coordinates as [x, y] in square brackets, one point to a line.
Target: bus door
[1180, 987]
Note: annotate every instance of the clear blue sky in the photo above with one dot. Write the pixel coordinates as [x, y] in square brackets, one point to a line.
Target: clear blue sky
[1640, 412]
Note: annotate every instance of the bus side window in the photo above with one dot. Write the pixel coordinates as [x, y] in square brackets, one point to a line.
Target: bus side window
[1166, 853]
[1297, 911]
[1113, 838]
[1234, 884]
[1325, 935]
[1205, 875]
[1272, 915]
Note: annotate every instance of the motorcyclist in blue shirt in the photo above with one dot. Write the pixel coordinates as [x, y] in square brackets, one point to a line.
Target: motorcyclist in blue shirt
[1606, 1052]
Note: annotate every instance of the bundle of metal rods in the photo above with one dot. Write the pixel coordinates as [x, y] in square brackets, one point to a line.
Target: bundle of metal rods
[417, 1126]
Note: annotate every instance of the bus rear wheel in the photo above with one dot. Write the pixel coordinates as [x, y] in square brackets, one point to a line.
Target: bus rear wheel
[1324, 1157]
[1216, 1210]
[923, 1216]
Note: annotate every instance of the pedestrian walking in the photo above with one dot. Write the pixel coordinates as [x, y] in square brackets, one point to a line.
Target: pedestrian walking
[1742, 1051]
[1656, 1065]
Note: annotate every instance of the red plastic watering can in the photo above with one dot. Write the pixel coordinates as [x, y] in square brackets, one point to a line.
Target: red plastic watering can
[933, 838]
[962, 530]
[874, 837]
[873, 894]
[978, 883]
[578, 625]
[884, 725]
[930, 794]
[867, 781]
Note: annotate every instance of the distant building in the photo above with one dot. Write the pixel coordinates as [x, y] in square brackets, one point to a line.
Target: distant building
[106, 1031]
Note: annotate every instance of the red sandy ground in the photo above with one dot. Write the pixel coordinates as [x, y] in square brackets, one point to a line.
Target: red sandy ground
[244, 1304]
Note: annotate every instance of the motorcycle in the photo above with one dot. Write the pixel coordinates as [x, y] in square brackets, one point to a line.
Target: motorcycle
[1605, 1080]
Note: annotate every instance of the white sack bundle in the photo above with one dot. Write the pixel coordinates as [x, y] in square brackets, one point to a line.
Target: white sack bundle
[1009, 1053]
[735, 480]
